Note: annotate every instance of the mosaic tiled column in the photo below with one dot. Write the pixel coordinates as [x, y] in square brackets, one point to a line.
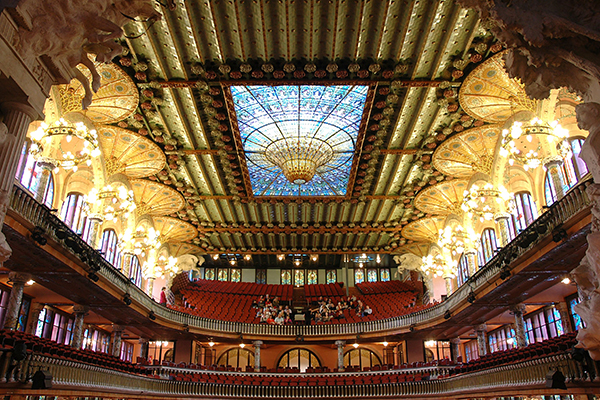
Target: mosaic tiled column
[94, 236]
[13, 307]
[340, 353]
[565, 316]
[34, 315]
[519, 311]
[449, 285]
[471, 257]
[257, 344]
[455, 343]
[143, 347]
[552, 164]
[115, 341]
[80, 312]
[482, 344]
[150, 286]
[127, 261]
[17, 118]
[47, 166]
[503, 228]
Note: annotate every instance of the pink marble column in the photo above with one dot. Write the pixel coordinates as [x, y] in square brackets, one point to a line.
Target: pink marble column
[482, 342]
[340, 353]
[115, 341]
[565, 316]
[18, 280]
[34, 316]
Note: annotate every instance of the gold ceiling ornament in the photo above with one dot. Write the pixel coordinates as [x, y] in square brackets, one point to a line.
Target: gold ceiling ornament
[468, 152]
[155, 198]
[141, 240]
[299, 157]
[418, 249]
[129, 153]
[442, 198]
[487, 201]
[173, 229]
[66, 143]
[489, 94]
[530, 143]
[457, 239]
[116, 99]
[110, 202]
[177, 249]
[425, 229]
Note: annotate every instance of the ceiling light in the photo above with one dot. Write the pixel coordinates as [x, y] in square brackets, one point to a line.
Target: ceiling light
[430, 343]
[30, 282]
[110, 202]
[215, 257]
[314, 257]
[378, 259]
[487, 201]
[566, 280]
[299, 157]
[211, 343]
[280, 257]
[385, 344]
[355, 345]
[247, 257]
[242, 345]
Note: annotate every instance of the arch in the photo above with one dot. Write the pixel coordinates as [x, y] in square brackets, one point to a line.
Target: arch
[361, 357]
[109, 245]
[299, 357]
[237, 358]
[73, 214]
[525, 211]
[488, 245]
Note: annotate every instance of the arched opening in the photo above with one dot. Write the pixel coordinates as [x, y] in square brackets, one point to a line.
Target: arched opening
[299, 358]
[361, 358]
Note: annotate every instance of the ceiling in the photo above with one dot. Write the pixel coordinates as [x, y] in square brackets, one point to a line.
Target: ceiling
[413, 56]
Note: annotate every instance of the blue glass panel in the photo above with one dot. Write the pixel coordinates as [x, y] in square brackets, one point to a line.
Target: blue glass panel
[331, 114]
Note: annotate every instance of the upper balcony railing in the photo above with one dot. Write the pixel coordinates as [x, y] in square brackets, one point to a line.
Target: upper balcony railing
[561, 211]
[79, 377]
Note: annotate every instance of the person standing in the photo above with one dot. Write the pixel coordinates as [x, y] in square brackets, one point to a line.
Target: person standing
[163, 297]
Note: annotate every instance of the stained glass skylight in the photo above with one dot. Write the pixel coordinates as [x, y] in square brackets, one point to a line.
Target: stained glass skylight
[299, 140]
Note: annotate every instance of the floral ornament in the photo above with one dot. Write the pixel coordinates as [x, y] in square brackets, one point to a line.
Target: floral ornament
[268, 68]
[197, 69]
[374, 68]
[125, 61]
[140, 66]
[245, 68]
[289, 67]
[310, 68]
[331, 68]
[354, 67]
[224, 69]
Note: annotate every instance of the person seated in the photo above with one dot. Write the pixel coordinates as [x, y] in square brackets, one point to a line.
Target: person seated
[270, 319]
[287, 320]
[279, 319]
[261, 302]
[259, 313]
[359, 308]
[287, 310]
[264, 317]
[318, 317]
[276, 302]
[367, 311]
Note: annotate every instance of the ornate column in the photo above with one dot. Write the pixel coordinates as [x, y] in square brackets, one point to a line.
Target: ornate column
[80, 312]
[150, 286]
[127, 261]
[503, 228]
[552, 164]
[13, 307]
[34, 315]
[94, 236]
[449, 285]
[455, 343]
[565, 316]
[482, 342]
[519, 311]
[340, 353]
[17, 118]
[143, 347]
[471, 257]
[257, 344]
[115, 341]
[47, 166]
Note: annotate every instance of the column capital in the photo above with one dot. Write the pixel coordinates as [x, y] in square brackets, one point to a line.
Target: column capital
[26, 109]
[340, 343]
[455, 341]
[481, 328]
[18, 277]
[553, 161]
[518, 309]
[118, 328]
[80, 309]
[501, 215]
[143, 340]
[257, 343]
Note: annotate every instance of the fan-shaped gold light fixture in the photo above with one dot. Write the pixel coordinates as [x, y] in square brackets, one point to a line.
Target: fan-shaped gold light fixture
[299, 157]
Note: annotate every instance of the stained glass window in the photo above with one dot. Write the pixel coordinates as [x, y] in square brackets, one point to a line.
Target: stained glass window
[385, 274]
[331, 276]
[299, 277]
[579, 324]
[222, 274]
[317, 123]
[209, 274]
[372, 275]
[235, 275]
[261, 276]
[286, 277]
[311, 277]
[359, 275]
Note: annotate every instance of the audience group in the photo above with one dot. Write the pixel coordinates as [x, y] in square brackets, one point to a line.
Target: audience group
[326, 309]
[271, 312]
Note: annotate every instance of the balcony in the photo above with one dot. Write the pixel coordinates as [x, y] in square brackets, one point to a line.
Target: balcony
[24, 211]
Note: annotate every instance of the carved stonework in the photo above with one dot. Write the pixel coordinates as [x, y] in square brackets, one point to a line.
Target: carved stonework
[5, 250]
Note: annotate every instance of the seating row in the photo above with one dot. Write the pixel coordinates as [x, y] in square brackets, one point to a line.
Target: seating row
[386, 287]
[284, 292]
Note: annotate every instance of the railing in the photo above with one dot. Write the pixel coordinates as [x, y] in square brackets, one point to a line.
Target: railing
[81, 377]
[574, 202]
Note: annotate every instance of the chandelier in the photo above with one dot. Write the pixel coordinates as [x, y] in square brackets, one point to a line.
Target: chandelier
[167, 266]
[111, 202]
[80, 144]
[523, 142]
[433, 266]
[142, 239]
[362, 259]
[486, 201]
[299, 157]
[456, 240]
